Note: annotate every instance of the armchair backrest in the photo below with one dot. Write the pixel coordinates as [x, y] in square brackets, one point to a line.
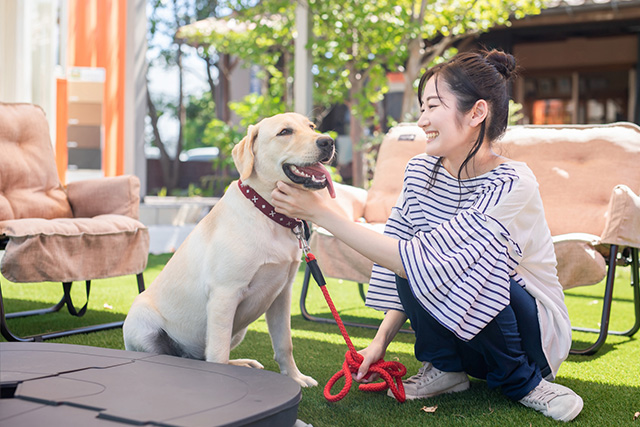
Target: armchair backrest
[29, 184]
[400, 144]
[577, 167]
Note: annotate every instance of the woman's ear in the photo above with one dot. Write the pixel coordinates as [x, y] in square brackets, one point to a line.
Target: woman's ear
[242, 153]
[479, 112]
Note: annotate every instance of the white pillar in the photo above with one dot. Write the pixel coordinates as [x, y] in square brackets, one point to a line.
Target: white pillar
[135, 97]
[15, 51]
[303, 80]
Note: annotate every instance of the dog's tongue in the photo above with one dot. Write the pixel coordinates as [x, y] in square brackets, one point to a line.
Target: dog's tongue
[318, 170]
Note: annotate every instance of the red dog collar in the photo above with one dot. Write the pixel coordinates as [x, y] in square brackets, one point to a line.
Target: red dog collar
[266, 208]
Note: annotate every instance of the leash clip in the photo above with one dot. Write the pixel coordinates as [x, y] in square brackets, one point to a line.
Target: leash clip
[298, 230]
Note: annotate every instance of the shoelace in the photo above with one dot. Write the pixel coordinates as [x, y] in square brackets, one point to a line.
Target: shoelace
[422, 373]
[543, 394]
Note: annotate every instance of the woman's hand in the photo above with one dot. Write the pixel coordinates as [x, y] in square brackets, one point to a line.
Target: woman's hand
[296, 203]
[371, 354]
[388, 329]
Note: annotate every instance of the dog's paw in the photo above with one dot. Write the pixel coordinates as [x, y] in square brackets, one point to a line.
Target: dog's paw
[249, 363]
[304, 380]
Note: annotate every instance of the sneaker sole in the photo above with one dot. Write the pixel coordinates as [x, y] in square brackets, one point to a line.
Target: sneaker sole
[454, 389]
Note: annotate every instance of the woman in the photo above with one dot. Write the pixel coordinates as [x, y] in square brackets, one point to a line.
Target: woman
[467, 255]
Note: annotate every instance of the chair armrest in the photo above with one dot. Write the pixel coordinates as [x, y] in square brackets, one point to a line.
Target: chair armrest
[115, 195]
[622, 226]
[349, 200]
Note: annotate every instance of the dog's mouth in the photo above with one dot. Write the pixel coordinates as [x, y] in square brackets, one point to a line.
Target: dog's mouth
[314, 176]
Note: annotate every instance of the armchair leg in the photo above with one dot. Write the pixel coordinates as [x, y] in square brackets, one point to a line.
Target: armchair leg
[307, 316]
[606, 309]
[608, 297]
[635, 282]
[10, 336]
[361, 290]
[51, 309]
[140, 280]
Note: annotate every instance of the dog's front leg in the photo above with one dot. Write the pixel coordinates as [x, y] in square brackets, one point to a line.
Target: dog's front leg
[221, 311]
[278, 318]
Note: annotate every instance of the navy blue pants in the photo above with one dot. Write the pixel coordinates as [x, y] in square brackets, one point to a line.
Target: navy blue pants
[507, 353]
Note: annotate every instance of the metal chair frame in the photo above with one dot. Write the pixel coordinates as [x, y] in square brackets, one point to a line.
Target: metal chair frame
[628, 257]
[66, 300]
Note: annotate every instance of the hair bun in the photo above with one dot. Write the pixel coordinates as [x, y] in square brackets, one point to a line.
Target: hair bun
[505, 63]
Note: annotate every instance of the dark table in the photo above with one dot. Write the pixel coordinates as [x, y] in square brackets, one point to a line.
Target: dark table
[47, 384]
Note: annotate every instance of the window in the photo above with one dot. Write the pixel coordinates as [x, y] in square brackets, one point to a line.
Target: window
[584, 97]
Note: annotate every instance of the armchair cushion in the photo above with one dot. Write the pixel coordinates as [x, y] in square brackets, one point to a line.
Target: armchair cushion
[573, 166]
[622, 226]
[580, 263]
[349, 200]
[401, 143]
[117, 195]
[66, 249]
[29, 185]
[338, 260]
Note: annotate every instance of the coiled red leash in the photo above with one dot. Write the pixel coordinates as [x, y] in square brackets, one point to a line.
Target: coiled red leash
[390, 372]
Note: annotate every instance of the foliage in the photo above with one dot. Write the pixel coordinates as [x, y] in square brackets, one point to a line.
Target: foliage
[515, 112]
[353, 45]
[200, 111]
[255, 107]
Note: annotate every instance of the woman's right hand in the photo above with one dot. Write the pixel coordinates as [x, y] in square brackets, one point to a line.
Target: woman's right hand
[371, 354]
[388, 329]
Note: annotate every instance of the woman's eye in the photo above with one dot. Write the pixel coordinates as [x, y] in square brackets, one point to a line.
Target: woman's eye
[431, 107]
[285, 132]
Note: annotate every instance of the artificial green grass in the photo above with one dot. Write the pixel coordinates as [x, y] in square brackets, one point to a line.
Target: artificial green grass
[609, 381]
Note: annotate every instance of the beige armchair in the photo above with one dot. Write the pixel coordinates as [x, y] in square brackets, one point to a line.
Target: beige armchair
[88, 230]
[589, 178]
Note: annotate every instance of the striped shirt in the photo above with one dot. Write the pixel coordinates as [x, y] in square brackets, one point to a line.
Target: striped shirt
[462, 241]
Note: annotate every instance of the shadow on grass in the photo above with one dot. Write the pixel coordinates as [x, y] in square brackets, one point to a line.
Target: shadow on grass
[52, 322]
[608, 346]
[600, 298]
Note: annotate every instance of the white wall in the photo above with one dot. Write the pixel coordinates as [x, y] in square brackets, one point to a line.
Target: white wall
[28, 45]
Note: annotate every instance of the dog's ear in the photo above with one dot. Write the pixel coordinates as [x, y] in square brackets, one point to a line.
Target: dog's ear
[242, 153]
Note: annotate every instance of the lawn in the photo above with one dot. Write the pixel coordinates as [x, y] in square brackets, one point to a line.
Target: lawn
[609, 382]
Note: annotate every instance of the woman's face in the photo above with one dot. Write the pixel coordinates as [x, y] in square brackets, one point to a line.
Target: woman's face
[448, 135]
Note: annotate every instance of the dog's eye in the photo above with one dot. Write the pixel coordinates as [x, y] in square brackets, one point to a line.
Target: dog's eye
[285, 131]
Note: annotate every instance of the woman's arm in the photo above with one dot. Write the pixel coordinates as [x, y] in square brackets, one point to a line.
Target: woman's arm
[308, 205]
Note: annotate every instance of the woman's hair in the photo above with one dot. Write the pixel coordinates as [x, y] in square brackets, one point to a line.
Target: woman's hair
[472, 76]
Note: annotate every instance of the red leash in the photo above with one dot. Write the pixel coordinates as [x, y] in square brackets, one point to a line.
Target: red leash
[390, 372]
[387, 370]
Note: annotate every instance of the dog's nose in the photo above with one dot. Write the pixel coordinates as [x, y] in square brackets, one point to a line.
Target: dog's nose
[325, 143]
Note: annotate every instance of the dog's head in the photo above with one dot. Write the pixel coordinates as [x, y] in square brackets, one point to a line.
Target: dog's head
[285, 147]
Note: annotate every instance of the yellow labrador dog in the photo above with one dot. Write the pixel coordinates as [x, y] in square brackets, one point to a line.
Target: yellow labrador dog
[240, 260]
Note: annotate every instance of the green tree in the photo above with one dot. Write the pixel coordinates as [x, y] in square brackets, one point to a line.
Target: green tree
[166, 17]
[354, 44]
[434, 28]
[253, 36]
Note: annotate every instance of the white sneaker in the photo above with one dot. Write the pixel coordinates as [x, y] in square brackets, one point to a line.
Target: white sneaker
[554, 400]
[430, 381]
